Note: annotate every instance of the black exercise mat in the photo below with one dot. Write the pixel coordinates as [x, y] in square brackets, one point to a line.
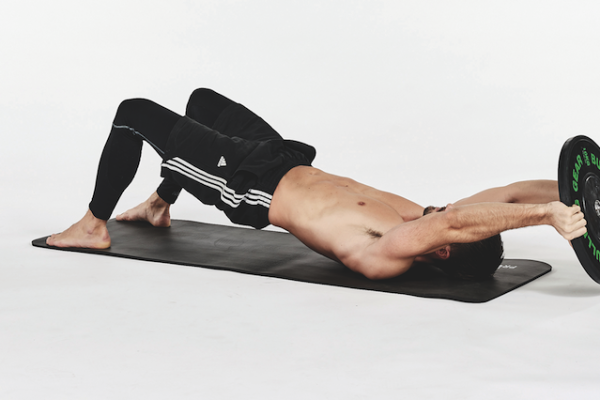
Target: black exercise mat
[281, 255]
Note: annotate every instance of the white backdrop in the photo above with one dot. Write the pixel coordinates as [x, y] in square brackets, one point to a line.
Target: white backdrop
[433, 100]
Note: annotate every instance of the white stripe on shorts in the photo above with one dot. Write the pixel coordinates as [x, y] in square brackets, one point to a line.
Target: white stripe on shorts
[228, 196]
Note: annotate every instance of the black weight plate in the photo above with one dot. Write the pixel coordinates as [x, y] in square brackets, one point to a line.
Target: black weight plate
[579, 183]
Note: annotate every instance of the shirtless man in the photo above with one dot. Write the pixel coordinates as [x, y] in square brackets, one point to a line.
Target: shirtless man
[254, 176]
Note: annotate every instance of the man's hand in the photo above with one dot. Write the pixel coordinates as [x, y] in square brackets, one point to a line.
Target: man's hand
[568, 221]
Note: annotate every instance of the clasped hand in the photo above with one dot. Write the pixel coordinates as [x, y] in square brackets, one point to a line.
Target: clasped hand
[568, 221]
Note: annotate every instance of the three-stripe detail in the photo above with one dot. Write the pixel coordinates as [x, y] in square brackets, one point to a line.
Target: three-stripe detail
[228, 196]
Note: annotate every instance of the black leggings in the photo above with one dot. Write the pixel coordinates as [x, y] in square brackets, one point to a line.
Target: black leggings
[140, 120]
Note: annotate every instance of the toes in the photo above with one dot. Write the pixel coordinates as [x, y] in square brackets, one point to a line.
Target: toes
[52, 241]
[122, 217]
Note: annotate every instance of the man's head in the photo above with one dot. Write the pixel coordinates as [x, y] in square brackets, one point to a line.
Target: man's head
[471, 261]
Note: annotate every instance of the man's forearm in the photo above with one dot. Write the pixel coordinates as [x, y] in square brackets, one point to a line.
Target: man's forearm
[472, 223]
[524, 192]
[479, 221]
[534, 192]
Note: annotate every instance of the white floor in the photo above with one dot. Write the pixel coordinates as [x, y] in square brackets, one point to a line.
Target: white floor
[431, 100]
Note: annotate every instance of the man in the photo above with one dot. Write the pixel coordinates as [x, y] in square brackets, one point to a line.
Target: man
[227, 156]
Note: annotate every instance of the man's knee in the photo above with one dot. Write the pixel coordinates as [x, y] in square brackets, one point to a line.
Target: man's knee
[203, 93]
[129, 109]
[205, 106]
[199, 99]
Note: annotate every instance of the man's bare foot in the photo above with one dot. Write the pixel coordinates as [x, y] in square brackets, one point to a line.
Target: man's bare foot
[90, 232]
[154, 210]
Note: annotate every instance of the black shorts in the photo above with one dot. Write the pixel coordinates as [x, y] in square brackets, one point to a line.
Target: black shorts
[237, 170]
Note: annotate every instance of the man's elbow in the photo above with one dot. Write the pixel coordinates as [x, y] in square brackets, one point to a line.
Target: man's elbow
[513, 193]
[376, 272]
[377, 275]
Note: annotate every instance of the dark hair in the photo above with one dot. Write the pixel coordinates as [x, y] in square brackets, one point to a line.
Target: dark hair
[473, 261]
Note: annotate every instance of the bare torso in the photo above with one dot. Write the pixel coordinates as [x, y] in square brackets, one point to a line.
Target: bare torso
[336, 216]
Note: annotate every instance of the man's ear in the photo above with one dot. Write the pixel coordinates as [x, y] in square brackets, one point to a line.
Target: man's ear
[443, 253]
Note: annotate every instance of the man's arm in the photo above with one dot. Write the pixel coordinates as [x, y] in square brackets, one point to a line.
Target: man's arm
[525, 192]
[396, 250]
